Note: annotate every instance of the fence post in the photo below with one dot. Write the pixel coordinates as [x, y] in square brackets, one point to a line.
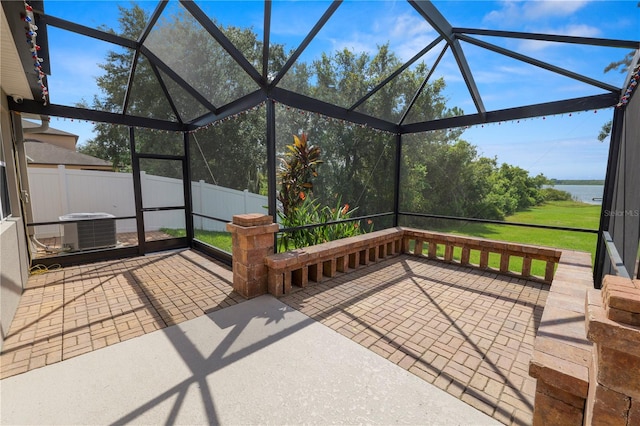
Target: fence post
[64, 189]
[252, 237]
[200, 207]
[246, 196]
[143, 181]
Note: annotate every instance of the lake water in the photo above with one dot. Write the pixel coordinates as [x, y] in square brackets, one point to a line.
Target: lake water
[584, 193]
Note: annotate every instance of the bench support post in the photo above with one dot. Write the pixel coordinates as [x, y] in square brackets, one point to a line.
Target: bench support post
[252, 237]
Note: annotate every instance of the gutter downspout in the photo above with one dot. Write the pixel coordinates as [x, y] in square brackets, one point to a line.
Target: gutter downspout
[22, 169]
[42, 128]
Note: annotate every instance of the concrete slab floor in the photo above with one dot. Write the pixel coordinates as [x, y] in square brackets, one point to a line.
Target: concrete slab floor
[255, 362]
[468, 332]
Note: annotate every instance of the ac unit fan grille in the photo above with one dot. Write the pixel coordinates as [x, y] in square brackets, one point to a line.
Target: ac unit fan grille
[96, 233]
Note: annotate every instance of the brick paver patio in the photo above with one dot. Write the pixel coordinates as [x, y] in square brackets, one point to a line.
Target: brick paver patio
[67, 312]
[124, 239]
[466, 331]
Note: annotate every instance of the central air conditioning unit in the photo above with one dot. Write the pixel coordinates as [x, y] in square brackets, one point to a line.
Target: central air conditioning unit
[86, 231]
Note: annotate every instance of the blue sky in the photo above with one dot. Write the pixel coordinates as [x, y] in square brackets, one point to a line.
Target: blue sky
[560, 146]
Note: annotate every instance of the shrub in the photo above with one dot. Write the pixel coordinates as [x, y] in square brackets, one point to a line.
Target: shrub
[552, 194]
[297, 168]
[310, 212]
[298, 206]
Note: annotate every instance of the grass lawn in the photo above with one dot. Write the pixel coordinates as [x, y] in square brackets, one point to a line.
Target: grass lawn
[557, 213]
[221, 240]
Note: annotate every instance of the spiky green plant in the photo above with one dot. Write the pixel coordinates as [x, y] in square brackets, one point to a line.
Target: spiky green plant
[299, 208]
[297, 168]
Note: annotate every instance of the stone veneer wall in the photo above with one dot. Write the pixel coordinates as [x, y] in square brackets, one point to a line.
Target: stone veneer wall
[613, 325]
[562, 352]
[252, 237]
[587, 352]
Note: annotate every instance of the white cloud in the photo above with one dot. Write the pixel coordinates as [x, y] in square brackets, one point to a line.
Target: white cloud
[527, 11]
[544, 17]
[504, 74]
[509, 10]
[527, 47]
[551, 8]
[407, 25]
[410, 34]
[533, 46]
[580, 31]
[406, 34]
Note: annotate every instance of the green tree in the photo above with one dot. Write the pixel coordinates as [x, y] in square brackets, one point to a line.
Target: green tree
[441, 173]
[359, 162]
[231, 153]
[523, 189]
[449, 178]
[622, 66]
[112, 142]
[446, 178]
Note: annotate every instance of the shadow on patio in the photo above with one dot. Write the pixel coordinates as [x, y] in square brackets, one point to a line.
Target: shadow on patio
[72, 311]
[467, 332]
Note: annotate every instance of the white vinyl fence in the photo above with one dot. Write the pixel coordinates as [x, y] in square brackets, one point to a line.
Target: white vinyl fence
[56, 192]
[222, 203]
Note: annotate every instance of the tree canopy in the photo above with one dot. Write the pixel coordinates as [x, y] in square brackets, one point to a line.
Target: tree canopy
[441, 173]
[621, 66]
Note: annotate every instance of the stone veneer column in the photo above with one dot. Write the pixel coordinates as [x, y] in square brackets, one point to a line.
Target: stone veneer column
[613, 324]
[253, 240]
[562, 352]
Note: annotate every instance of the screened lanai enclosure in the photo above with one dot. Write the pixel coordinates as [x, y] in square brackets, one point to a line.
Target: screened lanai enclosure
[335, 118]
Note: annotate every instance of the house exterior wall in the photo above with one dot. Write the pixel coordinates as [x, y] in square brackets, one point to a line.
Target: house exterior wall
[63, 141]
[14, 257]
[71, 167]
[624, 217]
[14, 272]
